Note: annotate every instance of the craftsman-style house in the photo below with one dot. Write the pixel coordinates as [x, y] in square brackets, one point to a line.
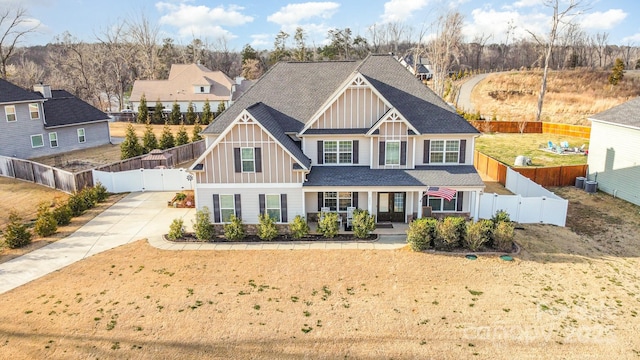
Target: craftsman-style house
[334, 135]
[45, 122]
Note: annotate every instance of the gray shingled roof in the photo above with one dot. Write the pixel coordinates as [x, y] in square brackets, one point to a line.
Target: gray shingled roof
[12, 93]
[262, 114]
[64, 109]
[295, 91]
[454, 175]
[627, 114]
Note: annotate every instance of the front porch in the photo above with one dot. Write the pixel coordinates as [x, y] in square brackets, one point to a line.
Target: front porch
[396, 229]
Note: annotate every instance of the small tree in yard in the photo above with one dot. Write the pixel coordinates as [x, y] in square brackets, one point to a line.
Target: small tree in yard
[149, 139]
[363, 223]
[176, 229]
[16, 233]
[207, 115]
[221, 107]
[157, 117]
[617, 73]
[63, 215]
[197, 129]
[450, 232]
[234, 230]
[174, 117]
[421, 233]
[166, 140]
[299, 227]
[328, 224]
[202, 226]
[267, 229]
[182, 137]
[478, 233]
[46, 223]
[143, 111]
[130, 147]
[503, 236]
[190, 118]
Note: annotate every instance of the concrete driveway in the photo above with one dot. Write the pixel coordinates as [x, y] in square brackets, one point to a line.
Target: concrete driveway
[136, 216]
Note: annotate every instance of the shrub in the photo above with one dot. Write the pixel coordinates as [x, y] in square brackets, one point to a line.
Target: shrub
[450, 232]
[62, 214]
[299, 227]
[46, 223]
[500, 216]
[100, 192]
[16, 233]
[267, 229]
[363, 223]
[503, 236]
[420, 233]
[77, 204]
[234, 231]
[478, 233]
[328, 224]
[176, 229]
[202, 226]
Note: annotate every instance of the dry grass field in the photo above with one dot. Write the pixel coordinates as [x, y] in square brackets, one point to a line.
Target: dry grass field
[571, 96]
[568, 294]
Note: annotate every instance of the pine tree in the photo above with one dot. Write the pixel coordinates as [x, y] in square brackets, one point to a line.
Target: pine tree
[167, 140]
[157, 117]
[618, 72]
[197, 129]
[130, 147]
[174, 117]
[182, 137]
[191, 114]
[221, 107]
[143, 111]
[149, 139]
[207, 115]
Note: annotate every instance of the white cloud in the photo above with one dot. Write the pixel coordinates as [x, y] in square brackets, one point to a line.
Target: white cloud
[602, 20]
[496, 23]
[189, 17]
[400, 10]
[261, 40]
[526, 3]
[293, 14]
[633, 39]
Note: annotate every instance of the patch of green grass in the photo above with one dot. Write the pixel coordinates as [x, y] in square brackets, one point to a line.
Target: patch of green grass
[475, 292]
[506, 147]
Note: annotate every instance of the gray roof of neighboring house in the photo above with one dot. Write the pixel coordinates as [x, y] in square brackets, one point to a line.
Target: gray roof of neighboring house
[263, 115]
[295, 91]
[13, 93]
[627, 114]
[454, 175]
[64, 109]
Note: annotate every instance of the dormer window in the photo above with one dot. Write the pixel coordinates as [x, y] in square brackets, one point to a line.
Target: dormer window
[202, 89]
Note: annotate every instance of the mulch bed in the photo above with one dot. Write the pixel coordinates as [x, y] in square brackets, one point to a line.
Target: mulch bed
[190, 237]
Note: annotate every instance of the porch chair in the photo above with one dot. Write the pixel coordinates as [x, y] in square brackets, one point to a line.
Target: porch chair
[324, 210]
[350, 211]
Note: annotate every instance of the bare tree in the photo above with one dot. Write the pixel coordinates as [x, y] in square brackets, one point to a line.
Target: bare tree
[144, 36]
[444, 49]
[27, 73]
[14, 25]
[600, 43]
[118, 58]
[559, 18]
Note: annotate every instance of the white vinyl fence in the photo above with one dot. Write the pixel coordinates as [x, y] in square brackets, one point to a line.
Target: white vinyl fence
[532, 204]
[145, 180]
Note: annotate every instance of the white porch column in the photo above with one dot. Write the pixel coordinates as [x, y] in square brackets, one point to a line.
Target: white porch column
[370, 202]
[409, 206]
[476, 210]
[420, 204]
[304, 205]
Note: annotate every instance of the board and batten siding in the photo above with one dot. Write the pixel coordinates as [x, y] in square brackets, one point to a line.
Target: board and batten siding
[277, 164]
[393, 130]
[249, 199]
[614, 160]
[356, 108]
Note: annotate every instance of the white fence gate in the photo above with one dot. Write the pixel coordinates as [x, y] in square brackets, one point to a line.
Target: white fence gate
[144, 180]
[532, 204]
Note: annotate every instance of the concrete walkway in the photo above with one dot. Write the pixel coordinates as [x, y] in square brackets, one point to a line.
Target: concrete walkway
[146, 215]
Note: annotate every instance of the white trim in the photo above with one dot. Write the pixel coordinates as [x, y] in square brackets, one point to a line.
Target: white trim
[37, 111]
[386, 152]
[56, 139]
[84, 135]
[444, 152]
[249, 186]
[253, 159]
[615, 124]
[6, 113]
[41, 138]
[387, 118]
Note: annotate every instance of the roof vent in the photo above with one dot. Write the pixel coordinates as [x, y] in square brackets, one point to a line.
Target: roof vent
[45, 90]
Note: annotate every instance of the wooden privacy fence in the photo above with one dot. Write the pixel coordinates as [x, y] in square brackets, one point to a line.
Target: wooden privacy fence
[532, 127]
[544, 176]
[70, 182]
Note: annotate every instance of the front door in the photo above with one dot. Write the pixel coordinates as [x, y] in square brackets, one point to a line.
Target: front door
[391, 206]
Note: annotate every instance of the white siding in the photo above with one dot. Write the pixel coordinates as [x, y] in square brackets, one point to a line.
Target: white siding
[614, 160]
[311, 148]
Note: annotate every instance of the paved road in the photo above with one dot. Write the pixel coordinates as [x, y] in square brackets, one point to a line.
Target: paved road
[464, 96]
[146, 215]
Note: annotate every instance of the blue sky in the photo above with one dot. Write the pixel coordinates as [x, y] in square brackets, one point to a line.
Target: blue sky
[256, 22]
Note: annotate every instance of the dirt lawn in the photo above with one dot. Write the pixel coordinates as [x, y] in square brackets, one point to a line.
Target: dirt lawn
[566, 295]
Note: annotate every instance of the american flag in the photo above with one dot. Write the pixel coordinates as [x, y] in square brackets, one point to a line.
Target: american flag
[441, 192]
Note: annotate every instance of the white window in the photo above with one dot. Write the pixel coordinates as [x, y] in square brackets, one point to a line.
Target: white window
[338, 152]
[444, 151]
[34, 111]
[37, 141]
[337, 201]
[227, 207]
[440, 204]
[392, 153]
[10, 112]
[248, 159]
[81, 137]
[53, 139]
[273, 207]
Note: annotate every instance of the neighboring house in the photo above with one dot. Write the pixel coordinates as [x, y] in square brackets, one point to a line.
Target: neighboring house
[46, 122]
[363, 134]
[420, 70]
[189, 83]
[614, 151]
